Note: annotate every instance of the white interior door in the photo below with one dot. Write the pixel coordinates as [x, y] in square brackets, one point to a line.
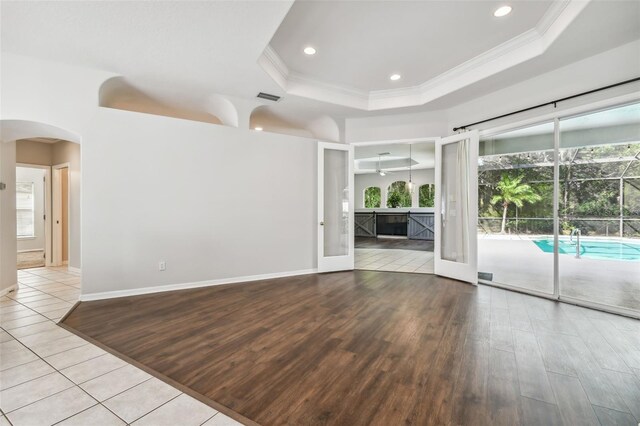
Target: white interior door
[56, 217]
[335, 207]
[456, 212]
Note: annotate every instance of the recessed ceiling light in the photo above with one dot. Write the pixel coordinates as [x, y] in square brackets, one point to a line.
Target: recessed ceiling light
[257, 129]
[394, 77]
[502, 11]
[309, 50]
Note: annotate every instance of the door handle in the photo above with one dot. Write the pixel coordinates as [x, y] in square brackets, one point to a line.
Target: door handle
[321, 223]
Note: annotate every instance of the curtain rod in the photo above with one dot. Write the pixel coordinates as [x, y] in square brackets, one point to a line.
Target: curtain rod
[455, 129]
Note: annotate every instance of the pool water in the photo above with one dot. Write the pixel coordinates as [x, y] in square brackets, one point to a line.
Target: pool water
[594, 249]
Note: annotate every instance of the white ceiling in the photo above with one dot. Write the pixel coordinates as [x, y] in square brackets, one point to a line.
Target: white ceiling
[182, 52]
[370, 40]
[599, 27]
[173, 51]
[368, 160]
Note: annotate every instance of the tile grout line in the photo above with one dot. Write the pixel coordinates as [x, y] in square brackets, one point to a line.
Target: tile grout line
[66, 377]
[55, 371]
[50, 365]
[162, 405]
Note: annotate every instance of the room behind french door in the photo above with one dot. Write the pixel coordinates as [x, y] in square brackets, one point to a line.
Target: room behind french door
[559, 209]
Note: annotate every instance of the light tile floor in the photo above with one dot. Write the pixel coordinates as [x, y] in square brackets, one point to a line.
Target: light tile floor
[394, 260]
[50, 376]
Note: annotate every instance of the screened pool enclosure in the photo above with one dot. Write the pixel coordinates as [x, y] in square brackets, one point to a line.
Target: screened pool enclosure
[561, 216]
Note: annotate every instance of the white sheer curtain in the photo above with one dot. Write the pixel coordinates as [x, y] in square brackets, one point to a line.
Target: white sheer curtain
[455, 202]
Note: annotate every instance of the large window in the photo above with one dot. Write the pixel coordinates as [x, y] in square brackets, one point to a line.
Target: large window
[25, 209]
[372, 197]
[426, 195]
[398, 195]
[589, 234]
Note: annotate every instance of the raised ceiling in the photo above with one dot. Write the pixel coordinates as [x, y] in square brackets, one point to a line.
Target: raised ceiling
[373, 39]
[439, 47]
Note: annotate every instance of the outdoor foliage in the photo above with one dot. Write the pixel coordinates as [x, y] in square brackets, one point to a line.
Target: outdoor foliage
[372, 197]
[591, 182]
[511, 190]
[426, 196]
[398, 195]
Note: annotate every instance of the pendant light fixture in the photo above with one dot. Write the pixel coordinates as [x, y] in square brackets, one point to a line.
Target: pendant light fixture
[380, 171]
[410, 184]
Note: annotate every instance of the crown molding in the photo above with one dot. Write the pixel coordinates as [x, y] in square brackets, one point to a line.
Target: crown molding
[528, 45]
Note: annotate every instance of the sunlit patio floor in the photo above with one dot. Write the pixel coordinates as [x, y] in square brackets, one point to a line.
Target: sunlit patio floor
[517, 261]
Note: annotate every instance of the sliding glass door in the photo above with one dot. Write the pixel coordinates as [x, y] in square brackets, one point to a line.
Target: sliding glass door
[599, 208]
[515, 209]
[581, 244]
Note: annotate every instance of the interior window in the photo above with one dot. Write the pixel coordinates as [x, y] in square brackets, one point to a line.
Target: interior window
[427, 195]
[398, 195]
[25, 209]
[372, 197]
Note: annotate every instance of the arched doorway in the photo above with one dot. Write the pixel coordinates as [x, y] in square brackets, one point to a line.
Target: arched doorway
[34, 146]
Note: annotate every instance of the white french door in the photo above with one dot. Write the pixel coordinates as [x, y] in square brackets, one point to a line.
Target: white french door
[456, 207]
[335, 207]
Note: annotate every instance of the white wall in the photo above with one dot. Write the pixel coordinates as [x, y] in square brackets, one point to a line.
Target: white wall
[214, 202]
[8, 246]
[35, 176]
[364, 181]
[613, 66]
[397, 126]
[209, 200]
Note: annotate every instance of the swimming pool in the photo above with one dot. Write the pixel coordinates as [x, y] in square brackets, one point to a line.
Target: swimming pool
[594, 249]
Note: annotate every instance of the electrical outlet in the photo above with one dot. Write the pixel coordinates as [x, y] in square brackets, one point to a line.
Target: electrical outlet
[162, 265]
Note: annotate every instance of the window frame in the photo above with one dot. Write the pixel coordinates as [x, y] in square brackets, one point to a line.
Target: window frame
[32, 209]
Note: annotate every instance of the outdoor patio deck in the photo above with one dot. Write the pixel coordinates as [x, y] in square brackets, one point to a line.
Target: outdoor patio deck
[517, 261]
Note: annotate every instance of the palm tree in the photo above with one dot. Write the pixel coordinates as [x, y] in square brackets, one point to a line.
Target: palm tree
[512, 190]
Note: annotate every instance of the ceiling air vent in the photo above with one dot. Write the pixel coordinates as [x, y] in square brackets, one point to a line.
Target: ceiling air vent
[269, 97]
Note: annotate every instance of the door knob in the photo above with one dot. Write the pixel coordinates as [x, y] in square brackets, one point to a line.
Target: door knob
[321, 223]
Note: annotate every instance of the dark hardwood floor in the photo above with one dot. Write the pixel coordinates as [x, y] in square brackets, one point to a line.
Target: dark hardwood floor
[379, 348]
[393, 243]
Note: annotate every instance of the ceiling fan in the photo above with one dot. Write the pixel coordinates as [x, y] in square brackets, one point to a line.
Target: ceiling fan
[379, 169]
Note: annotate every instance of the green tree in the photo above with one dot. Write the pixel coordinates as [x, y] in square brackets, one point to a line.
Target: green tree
[398, 195]
[372, 197]
[427, 195]
[513, 191]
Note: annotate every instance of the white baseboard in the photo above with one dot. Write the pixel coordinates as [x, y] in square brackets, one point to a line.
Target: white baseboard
[75, 270]
[8, 290]
[197, 284]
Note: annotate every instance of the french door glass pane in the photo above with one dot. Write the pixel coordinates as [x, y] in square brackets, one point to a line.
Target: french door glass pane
[515, 208]
[599, 200]
[336, 202]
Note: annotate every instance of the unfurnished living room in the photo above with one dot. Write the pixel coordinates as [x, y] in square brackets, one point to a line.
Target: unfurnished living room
[303, 212]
